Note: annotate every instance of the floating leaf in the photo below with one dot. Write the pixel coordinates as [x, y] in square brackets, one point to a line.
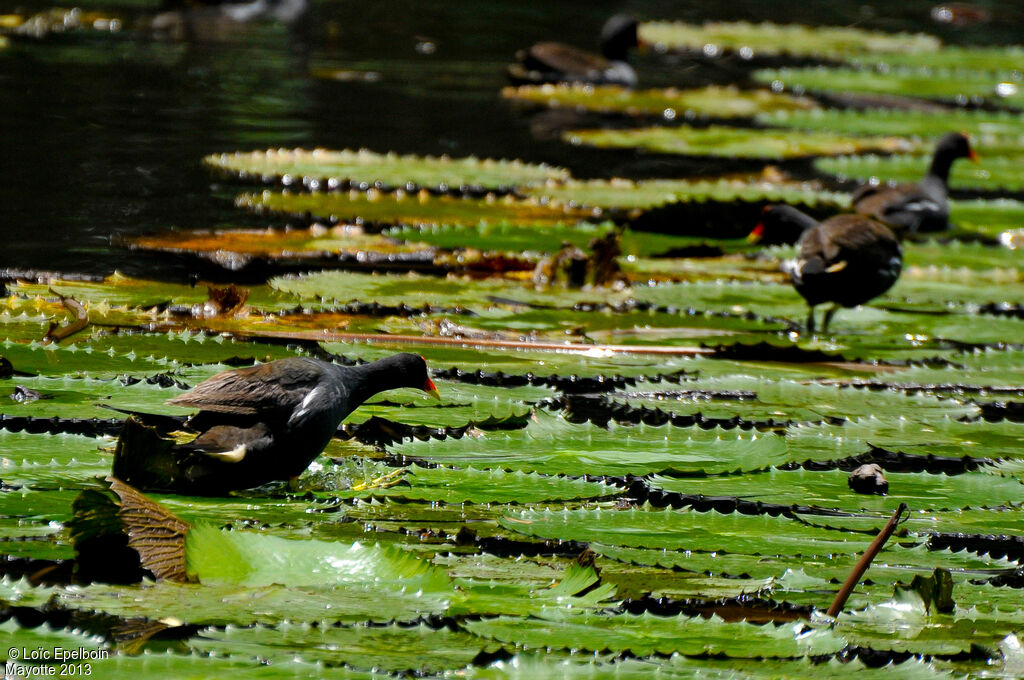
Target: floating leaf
[770, 39]
[321, 168]
[235, 249]
[667, 529]
[628, 195]
[829, 489]
[981, 124]
[480, 486]
[713, 101]
[1003, 60]
[419, 649]
[375, 208]
[648, 634]
[948, 84]
[736, 142]
[992, 174]
[552, 445]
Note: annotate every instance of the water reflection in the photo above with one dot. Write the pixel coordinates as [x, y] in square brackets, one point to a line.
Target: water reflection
[104, 132]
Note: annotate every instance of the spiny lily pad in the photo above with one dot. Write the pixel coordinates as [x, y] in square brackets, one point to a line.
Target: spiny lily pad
[829, 489]
[714, 101]
[736, 142]
[924, 124]
[552, 445]
[323, 169]
[1002, 60]
[992, 174]
[667, 529]
[946, 84]
[234, 249]
[532, 239]
[478, 486]
[1001, 218]
[419, 649]
[375, 208]
[648, 634]
[769, 39]
[416, 290]
[644, 195]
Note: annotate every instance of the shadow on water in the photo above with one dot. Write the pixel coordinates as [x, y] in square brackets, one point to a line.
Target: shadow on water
[104, 133]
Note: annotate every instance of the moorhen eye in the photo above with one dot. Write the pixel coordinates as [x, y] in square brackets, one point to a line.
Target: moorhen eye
[264, 423]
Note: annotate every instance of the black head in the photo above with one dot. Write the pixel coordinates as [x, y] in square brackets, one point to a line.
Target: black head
[781, 225]
[401, 370]
[955, 145]
[618, 36]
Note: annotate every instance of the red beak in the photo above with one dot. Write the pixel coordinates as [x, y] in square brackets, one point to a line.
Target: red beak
[973, 155]
[430, 388]
[755, 235]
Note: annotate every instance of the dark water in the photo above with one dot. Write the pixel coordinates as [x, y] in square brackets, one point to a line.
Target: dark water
[103, 135]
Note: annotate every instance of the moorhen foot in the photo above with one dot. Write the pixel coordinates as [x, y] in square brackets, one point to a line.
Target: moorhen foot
[551, 62]
[846, 260]
[922, 206]
[261, 424]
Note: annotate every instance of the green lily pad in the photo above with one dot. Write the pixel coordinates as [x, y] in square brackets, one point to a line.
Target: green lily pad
[646, 634]
[321, 168]
[1000, 218]
[945, 84]
[828, 489]
[782, 400]
[736, 142]
[1003, 60]
[706, 532]
[991, 174]
[770, 39]
[419, 649]
[533, 239]
[376, 208]
[552, 445]
[713, 101]
[629, 195]
[486, 486]
[983, 125]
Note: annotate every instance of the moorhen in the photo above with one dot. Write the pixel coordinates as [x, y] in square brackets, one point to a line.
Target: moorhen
[551, 62]
[261, 424]
[922, 206]
[846, 260]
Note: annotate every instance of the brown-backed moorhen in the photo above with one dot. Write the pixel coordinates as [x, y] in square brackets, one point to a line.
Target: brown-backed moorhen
[551, 62]
[922, 206]
[846, 260]
[263, 423]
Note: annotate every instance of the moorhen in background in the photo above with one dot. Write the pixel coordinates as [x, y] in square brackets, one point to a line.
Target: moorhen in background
[922, 206]
[551, 62]
[846, 260]
[258, 424]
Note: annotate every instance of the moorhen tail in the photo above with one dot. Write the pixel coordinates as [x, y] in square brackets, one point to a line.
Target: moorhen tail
[846, 260]
[551, 62]
[922, 206]
[264, 423]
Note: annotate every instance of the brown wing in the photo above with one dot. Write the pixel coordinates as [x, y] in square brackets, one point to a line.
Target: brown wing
[855, 237]
[551, 56]
[276, 386]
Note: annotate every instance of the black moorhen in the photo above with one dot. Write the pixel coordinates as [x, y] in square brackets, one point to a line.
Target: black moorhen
[551, 62]
[846, 260]
[922, 206]
[263, 423]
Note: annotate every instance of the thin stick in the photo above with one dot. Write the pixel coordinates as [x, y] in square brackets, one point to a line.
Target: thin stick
[865, 561]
